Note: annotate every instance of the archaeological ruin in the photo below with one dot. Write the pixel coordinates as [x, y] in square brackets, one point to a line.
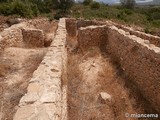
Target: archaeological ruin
[75, 69]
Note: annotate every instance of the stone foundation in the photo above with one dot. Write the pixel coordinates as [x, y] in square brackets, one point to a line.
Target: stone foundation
[139, 60]
[33, 37]
[90, 36]
[45, 98]
[155, 40]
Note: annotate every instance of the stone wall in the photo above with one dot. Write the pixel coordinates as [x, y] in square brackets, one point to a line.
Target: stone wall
[27, 34]
[152, 39]
[12, 36]
[33, 37]
[90, 36]
[71, 27]
[46, 96]
[85, 23]
[139, 60]
[74, 26]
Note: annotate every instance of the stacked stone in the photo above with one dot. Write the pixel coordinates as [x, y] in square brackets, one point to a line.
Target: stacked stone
[91, 36]
[12, 37]
[155, 40]
[33, 37]
[140, 62]
[45, 99]
[71, 26]
[85, 23]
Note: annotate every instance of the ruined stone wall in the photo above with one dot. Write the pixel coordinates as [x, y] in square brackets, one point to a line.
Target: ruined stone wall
[72, 25]
[12, 36]
[33, 37]
[85, 23]
[46, 95]
[139, 61]
[90, 36]
[26, 34]
[152, 39]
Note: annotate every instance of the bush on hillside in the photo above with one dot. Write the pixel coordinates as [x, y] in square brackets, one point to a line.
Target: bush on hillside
[128, 11]
[95, 5]
[21, 9]
[35, 10]
[6, 9]
[155, 16]
[87, 2]
[63, 5]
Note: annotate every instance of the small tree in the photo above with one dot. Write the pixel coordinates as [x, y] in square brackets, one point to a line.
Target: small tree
[128, 3]
[87, 2]
[63, 5]
[95, 5]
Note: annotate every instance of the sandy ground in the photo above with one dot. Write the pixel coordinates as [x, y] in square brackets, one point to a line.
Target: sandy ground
[20, 63]
[89, 77]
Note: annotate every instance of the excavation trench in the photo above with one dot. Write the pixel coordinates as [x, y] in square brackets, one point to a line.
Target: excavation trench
[91, 71]
[98, 86]
[95, 91]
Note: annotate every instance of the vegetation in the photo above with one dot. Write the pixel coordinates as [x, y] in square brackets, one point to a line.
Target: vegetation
[95, 5]
[29, 8]
[87, 2]
[145, 17]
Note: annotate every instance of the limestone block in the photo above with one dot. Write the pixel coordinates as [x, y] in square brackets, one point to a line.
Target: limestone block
[33, 37]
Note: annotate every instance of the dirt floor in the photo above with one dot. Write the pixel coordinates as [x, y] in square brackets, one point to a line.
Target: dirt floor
[95, 89]
[16, 68]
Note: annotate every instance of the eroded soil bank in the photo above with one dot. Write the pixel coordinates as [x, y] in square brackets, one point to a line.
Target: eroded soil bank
[96, 90]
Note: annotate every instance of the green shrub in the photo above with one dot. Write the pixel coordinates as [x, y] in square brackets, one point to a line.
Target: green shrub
[155, 16]
[21, 9]
[87, 2]
[35, 10]
[95, 5]
[121, 15]
[156, 23]
[60, 14]
[147, 30]
[6, 9]
[128, 11]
